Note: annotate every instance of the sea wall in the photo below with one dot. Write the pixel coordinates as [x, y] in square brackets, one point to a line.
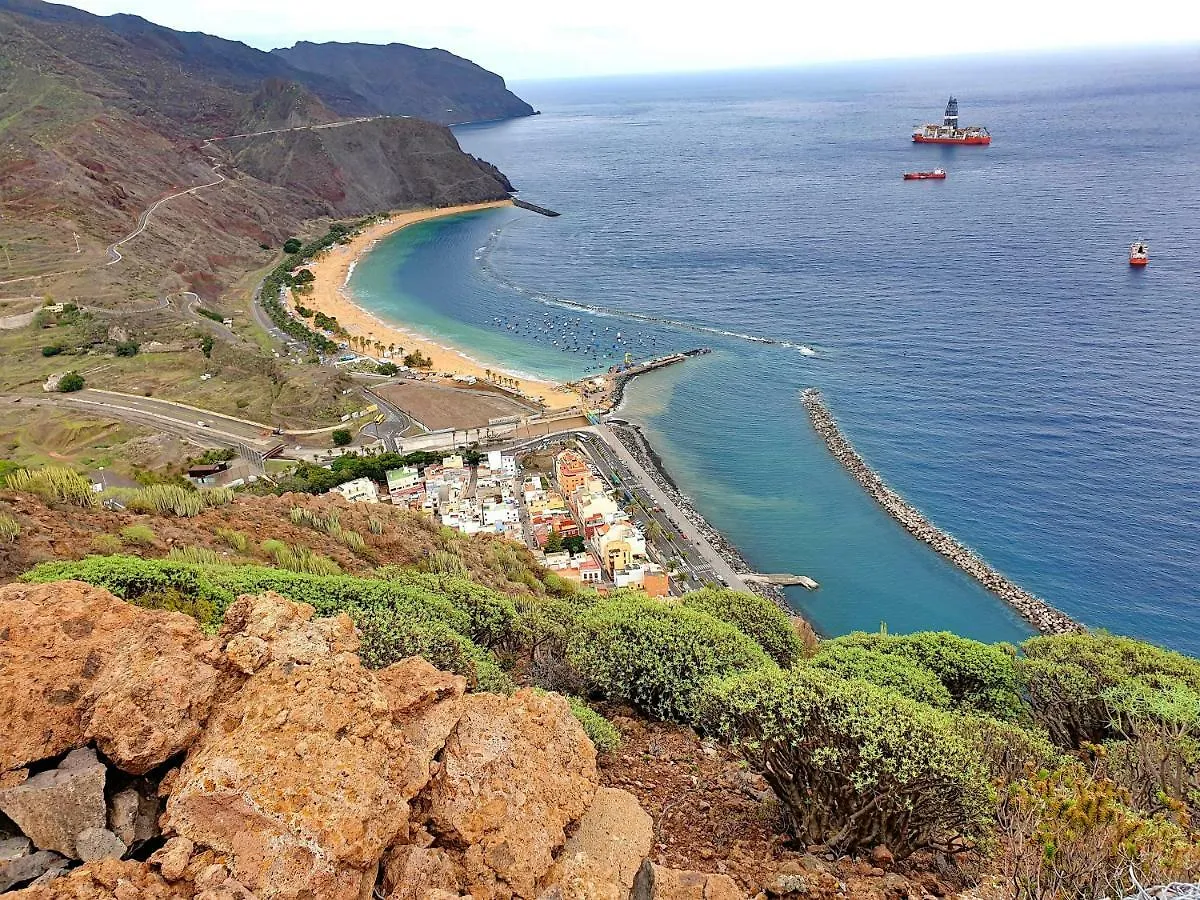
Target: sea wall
[1044, 617]
[637, 445]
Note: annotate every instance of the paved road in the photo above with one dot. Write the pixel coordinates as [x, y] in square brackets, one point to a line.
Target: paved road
[217, 329]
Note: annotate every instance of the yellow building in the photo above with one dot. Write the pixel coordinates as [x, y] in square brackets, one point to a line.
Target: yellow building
[570, 471]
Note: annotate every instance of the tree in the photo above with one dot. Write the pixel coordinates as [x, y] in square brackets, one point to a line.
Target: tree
[70, 383]
[126, 348]
[755, 617]
[206, 346]
[341, 437]
[387, 368]
[417, 360]
[554, 541]
[292, 245]
[304, 276]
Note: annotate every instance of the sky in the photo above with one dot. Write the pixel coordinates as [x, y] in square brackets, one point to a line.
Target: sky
[544, 39]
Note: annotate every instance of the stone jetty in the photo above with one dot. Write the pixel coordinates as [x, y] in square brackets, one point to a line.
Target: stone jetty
[1044, 617]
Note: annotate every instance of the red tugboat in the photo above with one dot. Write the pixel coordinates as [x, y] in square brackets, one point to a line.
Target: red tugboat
[939, 174]
[949, 132]
[1139, 253]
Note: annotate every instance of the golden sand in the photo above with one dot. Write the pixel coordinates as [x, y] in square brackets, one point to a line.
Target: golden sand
[330, 296]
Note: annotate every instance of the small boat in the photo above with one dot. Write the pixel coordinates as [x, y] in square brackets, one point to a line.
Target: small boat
[921, 176]
[1139, 253]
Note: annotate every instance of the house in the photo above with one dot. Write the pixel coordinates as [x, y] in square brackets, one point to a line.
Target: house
[402, 479]
[619, 545]
[359, 490]
[571, 471]
[207, 474]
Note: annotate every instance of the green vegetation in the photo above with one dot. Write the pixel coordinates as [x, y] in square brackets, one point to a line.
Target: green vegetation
[206, 346]
[656, 656]
[417, 360]
[52, 349]
[292, 245]
[214, 455]
[209, 314]
[126, 348]
[897, 673]
[387, 368]
[10, 528]
[106, 544]
[236, 540]
[341, 437]
[853, 764]
[164, 499]
[53, 483]
[139, 535]
[70, 383]
[602, 733]
[755, 617]
[196, 555]
[306, 478]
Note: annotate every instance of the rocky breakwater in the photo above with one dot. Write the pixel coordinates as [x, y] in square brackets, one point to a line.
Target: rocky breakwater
[1044, 617]
[141, 758]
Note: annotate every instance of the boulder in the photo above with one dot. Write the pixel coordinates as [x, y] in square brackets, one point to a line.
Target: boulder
[601, 859]
[412, 873]
[655, 882]
[266, 628]
[882, 856]
[426, 704]
[54, 806]
[299, 777]
[106, 879]
[18, 865]
[99, 843]
[77, 664]
[133, 816]
[515, 773]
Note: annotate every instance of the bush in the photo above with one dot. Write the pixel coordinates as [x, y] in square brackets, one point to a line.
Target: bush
[236, 540]
[53, 483]
[106, 544]
[218, 496]
[139, 535]
[292, 245]
[387, 368]
[1080, 685]
[70, 383]
[603, 735]
[855, 765]
[341, 437]
[979, 677]
[886, 670]
[197, 556]
[755, 617]
[52, 350]
[164, 499]
[126, 348]
[391, 634]
[658, 656]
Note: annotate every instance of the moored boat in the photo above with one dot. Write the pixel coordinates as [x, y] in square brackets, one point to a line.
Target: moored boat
[1139, 253]
[921, 176]
[949, 132]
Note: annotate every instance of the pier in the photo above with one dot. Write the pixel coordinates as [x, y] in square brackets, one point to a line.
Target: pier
[1044, 617]
[533, 207]
[622, 377]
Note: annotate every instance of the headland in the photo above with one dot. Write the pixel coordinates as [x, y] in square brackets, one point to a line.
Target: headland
[331, 295]
[1044, 617]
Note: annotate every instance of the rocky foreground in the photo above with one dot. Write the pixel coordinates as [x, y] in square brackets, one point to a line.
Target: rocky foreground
[141, 758]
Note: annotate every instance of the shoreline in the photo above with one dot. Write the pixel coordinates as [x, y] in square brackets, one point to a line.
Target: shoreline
[331, 295]
[1040, 614]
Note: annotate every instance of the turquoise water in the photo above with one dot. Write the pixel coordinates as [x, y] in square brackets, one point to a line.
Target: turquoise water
[982, 340]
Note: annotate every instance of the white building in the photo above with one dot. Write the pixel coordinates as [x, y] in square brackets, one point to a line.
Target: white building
[360, 490]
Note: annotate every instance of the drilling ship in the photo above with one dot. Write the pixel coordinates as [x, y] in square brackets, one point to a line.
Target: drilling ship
[949, 132]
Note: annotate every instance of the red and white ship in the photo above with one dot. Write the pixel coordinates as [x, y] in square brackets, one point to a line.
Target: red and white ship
[921, 176]
[949, 132]
[1139, 253]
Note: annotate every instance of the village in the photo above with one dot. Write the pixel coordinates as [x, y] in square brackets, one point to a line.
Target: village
[569, 516]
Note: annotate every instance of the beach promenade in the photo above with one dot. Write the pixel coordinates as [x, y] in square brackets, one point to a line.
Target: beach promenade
[1044, 617]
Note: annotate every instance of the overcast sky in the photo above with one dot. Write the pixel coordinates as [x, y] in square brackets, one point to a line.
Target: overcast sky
[529, 39]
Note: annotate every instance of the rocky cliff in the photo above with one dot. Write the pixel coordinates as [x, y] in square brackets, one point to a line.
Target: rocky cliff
[403, 80]
[149, 760]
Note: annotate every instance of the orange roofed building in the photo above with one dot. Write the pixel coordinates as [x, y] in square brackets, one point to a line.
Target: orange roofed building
[570, 471]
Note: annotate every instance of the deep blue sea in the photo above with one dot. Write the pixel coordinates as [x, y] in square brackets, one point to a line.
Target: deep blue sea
[982, 340]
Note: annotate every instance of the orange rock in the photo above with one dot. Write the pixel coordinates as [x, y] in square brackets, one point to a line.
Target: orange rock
[412, 873]
[655, 882]
[602, 858]
[426, 703]
[78, 664]
[515, 773]
[107, 879]
[300, 776]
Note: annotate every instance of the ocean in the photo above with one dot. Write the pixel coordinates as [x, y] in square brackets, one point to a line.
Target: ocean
[981, 340]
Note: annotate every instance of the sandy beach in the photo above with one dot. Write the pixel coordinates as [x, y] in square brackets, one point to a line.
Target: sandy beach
[331, 297]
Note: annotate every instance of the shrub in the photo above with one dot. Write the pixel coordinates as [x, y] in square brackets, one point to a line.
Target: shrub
[53, 483]
[52, 350]
[138, 534]
[603, 735]
[979, 677]
[196, 555]
[1069, 835]
[1073, 681]
[202, 609]
[126, 348]
[491, 616]
[375, 526]
[106, 544]
[855, 765]
[341, 437]
[292, 245]
[70, 383]
[755, 617]
[236, 540]
[390, 635]
[218, 496]
[10, 528]
[165, 499]
[658, 656]
[886, 670]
